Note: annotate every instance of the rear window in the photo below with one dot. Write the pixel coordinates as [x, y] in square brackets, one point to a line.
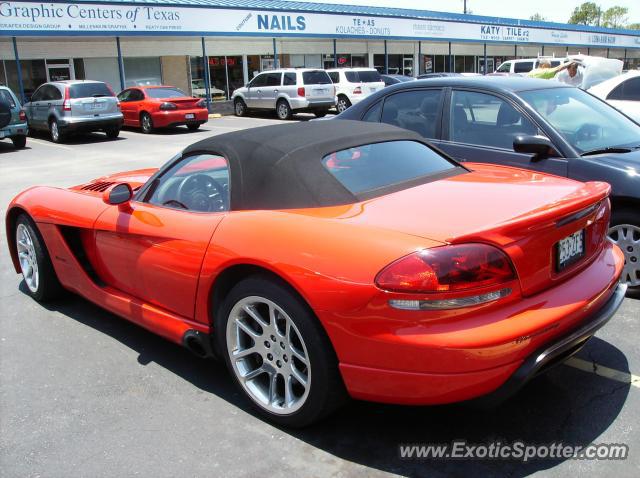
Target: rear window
[165, 93]
[8, 97]
[363, 76]
[373, 166]
[316, 77]
[88, 90]
[523, 67]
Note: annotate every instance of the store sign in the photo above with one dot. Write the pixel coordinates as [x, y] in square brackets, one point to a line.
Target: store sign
[28, 18]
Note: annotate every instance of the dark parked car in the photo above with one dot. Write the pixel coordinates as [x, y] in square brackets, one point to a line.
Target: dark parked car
[528, 123]
[395, 79]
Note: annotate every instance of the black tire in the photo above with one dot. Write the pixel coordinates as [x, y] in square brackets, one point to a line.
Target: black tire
[19, 142]
[343, 103]
[193, 126]
[622, 216]
[326, 389]
[320, 113]
[48, 287]
[113, 133]
[54, 131]
[283, 110]
[146, 123]
[240, 107]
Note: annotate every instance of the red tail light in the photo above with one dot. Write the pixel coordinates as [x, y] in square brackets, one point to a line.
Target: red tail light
[357, 90]
[168, 106]
[448, 269]
[301, 91]
[22, 115]
[66, 106]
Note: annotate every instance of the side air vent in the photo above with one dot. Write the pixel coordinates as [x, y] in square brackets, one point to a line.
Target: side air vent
[98, 187]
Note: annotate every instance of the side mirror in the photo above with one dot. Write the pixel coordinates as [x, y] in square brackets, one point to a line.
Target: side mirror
[539, 146]
[118, 194]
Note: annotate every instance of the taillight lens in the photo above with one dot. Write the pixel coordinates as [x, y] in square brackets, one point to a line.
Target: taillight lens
[66, 105]
[301, 91]
[168, 106]
[22, 115]
[448, 269]
[357, 90]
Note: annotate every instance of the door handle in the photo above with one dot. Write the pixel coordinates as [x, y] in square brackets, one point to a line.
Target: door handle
[48, 104]
[275, 91]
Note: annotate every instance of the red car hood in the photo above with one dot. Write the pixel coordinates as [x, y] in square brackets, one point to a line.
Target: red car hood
[134, 178]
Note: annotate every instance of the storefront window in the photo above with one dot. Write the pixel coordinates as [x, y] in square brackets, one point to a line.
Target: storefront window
[33, 75]
[225, 75]
[142, 71]
[398, 64]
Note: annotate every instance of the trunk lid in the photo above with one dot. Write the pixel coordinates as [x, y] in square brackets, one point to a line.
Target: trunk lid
[186, 103]
[524, 213]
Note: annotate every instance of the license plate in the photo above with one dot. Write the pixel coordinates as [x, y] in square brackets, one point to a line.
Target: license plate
[189, 116]
[94, 106]
[569, 250]
[319, 92]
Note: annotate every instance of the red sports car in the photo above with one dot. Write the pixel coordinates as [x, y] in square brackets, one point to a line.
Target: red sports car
[152, 107]
[331, 259]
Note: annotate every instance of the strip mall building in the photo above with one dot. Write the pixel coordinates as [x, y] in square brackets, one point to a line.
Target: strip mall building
[182, 42]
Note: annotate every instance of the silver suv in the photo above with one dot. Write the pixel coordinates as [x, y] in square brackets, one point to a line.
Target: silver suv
[65, 107]
[287, 91]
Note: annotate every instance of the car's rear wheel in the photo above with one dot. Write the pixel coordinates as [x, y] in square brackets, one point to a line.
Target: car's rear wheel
[193, 126]
[283, 110]
[54, 131]
[35, 263]
[146, 123]
[113, 133]
[19, 142]
[278, 353]
[240, 107]
[343, 103]
[625, 232]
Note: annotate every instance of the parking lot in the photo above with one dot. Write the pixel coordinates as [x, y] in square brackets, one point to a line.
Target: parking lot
[84, 393]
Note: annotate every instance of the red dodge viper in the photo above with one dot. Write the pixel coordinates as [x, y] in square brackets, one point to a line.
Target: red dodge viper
[332, 259]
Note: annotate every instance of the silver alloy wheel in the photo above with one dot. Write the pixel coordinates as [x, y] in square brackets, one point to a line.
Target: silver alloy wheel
[27, 257]
[268, 355]
[146, 122]
[55, 133]
[342, 105]
[627, 237]
[283, 110]
[239, 108]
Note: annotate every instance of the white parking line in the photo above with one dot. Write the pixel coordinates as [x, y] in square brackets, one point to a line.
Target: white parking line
[602, 371]
[47, 143]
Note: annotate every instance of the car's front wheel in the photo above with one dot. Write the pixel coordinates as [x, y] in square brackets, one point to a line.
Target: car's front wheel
[240, 107]
[278, 353]
[35, 263]
[283, 110]
[146, 123]
[625, 232]
[113, 133]
[19, 142]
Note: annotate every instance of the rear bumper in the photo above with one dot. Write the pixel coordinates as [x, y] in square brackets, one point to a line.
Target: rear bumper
[491, 352]
[164, 119]
[71, 124]
[18, 129]
[310, 104]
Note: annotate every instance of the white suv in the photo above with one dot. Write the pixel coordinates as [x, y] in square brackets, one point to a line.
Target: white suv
[526, 65]
[354, 84]
[286, 91]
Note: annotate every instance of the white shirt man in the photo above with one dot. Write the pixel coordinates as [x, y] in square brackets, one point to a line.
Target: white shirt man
[570, 76]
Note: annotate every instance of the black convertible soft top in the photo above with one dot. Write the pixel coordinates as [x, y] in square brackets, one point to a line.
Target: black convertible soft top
[280, 166]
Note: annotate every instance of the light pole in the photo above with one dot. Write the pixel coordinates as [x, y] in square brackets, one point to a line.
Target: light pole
[465, 6]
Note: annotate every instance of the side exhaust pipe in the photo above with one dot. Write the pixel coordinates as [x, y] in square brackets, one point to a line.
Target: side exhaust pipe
[198, 343]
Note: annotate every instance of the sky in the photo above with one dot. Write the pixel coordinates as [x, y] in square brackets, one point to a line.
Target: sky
[552, 10]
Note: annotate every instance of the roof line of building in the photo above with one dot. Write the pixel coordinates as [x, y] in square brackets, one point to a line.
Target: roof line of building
[345, 9]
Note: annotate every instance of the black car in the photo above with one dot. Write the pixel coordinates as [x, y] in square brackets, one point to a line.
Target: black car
[395, 79]
[529, 123]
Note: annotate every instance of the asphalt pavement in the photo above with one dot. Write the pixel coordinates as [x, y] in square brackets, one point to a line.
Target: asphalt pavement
[84, 393]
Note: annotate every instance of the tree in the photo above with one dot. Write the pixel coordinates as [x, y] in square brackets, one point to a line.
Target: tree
[536, 17]
[586, 14]
[615, 17]
[633, 26]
